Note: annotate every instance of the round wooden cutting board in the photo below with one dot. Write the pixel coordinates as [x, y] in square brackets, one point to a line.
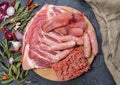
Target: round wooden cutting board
[49, 73]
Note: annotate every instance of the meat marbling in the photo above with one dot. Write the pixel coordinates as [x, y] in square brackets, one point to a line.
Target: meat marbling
[43, 32]
[35, 38]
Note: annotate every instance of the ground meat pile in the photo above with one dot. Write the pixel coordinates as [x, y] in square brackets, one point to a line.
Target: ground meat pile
[72, 66]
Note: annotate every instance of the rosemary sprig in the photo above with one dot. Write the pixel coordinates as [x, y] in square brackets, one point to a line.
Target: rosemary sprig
[14, 71]
[17, 5]
[5, 48]
[22, 14]
[15, 19]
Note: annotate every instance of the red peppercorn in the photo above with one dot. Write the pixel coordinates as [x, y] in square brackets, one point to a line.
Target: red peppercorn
[8, 35]
[33, 6]
[12, 3]
[29, 2]
[5, 77]
[21, 61]
[3, 29]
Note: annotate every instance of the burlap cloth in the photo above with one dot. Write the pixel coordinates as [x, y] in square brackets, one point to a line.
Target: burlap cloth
[107, 13]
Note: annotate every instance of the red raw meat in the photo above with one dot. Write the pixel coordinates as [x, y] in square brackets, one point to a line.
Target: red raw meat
[62, 30]
[60, 20]
[72, 66]
[63, 46]
[67, 38]
[78, 25]
[78, 21]
[76, 32]
[78, 17]
[50, 28]
[87, 45]
[36, 43]
[93, 41]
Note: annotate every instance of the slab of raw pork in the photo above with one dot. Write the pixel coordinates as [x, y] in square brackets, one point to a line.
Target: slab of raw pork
[36, 42]
[44, 32]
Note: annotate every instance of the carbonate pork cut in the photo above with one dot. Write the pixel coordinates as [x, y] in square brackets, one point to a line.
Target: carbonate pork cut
[51, 36]
[40, 35]
[36, 42]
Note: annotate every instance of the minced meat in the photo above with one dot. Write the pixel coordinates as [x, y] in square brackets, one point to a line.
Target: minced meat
[72, 66]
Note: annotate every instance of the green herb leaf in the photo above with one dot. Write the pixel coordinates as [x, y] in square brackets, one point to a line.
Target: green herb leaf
[17, 4]
[18, 65]
[2, 73]
[18, 73]
[14, 69]
[7, 81]
[10, 70]
[1, 59]
[4, 45]
[20, 10]
[17, 59]
[1, 79]
[22, 80]
[26, 10]
[21, 74]
[26, 73]
[3, 66]
[1, 53]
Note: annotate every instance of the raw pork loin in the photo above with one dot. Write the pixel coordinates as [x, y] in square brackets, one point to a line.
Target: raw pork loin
[36, 42]
[51, 35]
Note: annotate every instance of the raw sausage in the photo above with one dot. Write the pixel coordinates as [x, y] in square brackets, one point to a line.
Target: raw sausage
[87, 46]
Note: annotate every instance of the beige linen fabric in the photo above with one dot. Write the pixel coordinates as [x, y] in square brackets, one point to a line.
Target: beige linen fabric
[107, 13]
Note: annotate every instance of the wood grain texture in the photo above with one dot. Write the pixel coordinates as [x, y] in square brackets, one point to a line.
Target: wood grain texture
[49, 73]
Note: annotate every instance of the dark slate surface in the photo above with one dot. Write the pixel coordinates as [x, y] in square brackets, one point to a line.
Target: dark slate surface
[98, 74]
